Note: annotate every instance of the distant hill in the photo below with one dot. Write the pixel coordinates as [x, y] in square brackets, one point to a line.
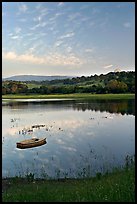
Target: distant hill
[35, 78]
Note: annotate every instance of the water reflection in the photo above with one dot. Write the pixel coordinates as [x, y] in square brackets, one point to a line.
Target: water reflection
[80, 134]
[111, 106]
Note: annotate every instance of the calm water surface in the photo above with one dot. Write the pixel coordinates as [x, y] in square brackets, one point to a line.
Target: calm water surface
[82, 136]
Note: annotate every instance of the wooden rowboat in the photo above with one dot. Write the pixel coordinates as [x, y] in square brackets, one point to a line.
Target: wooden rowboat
[34, 142]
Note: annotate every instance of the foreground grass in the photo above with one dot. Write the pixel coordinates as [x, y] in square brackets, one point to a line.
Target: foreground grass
[118, 186]
[70, 96]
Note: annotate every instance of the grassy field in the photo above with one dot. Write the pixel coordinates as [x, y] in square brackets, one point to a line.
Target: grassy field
[71, 96]
[118, 186]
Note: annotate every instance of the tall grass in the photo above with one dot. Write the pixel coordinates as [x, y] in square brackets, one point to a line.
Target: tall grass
[117, 186]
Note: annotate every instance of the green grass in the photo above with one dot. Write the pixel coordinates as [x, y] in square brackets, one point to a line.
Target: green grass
[31, 86]
[118, 186]
[72, 96]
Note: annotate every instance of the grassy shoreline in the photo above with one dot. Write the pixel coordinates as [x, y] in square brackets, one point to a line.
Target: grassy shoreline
[70, 96]
[118, 186]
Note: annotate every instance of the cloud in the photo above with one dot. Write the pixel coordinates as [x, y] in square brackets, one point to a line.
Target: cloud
[39, 6]
[9, 55]
[51, 59]
[22, 19]
[3, 14]
[69, 49]
[89, 50]
[127, 25]
[59, 14]
[108, 66]
[29, 34]
[17, 30]
[34, 27]
[85, 19]
[58, 43]
[71, 149]
[53, 18]
[38, 18]
[60, 3]
[92, 23]
[31, 49]
[40, 24]
[84, 7]
[68, 35]
[10, 34]
[95, 11]
[23, 8]
[73, 16]
[14, 37]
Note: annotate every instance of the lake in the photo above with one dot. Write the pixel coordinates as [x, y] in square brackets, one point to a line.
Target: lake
[83, 137]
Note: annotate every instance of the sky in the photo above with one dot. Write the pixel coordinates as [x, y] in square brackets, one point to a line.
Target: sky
[67, 38]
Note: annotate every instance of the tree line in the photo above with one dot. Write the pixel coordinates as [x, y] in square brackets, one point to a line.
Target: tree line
[119, 82]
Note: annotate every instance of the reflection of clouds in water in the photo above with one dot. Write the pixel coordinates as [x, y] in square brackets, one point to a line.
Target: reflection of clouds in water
[69, 149]
[91, 134]
[21, 131]
[5, 172]
[4, 154]
[43, 160]
[11, 131]
[73, 124]
[70, 135]
[21, 155]
[70, 124]
[14, 151]
[59, 141]
[56, 127]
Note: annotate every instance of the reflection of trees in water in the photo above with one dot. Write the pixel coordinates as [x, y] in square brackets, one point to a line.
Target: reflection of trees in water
[123, 107]
[37, 104]
[112, 106]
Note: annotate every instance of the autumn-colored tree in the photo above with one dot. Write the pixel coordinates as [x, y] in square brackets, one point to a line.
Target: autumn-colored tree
[115, 86]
